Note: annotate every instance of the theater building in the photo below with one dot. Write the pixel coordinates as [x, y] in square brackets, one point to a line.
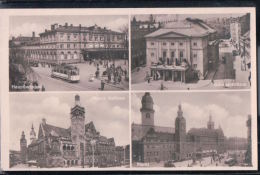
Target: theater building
[71, 44]
[182, 50]
[80, 144]
[153, 143]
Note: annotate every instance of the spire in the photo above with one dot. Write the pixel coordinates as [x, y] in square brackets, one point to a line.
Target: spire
[210, 122]
[77, 100]
[23, 136]
[180, 110]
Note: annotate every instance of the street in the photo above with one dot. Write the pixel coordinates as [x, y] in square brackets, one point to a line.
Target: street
[86, 70]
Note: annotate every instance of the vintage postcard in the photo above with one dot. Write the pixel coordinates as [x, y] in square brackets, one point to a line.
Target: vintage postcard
[69, 131]
[68, 53]
[169, 89]
[201, 129]
[191, 51]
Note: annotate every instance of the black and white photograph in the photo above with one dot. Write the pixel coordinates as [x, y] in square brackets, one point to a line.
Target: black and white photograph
[68, 53]
[74, 131]
[186, 52]
[204, 129]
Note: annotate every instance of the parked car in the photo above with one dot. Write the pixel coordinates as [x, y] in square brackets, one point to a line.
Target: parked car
[169, 163]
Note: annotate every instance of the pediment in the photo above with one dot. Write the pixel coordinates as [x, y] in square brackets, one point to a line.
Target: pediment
[172, 35]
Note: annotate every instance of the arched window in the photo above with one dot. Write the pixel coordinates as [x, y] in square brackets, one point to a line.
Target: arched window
[62, 55]
[69, 55]
[75, 55]
[55, 146]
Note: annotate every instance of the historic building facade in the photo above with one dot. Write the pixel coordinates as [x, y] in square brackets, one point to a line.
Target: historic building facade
[152, 143]
[181, 47]
[71, 44]
[138, 44]
[80, 144]
[235, 32]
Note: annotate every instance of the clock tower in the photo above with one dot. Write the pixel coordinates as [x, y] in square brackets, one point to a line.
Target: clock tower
[78, 126]
[147, 110]
[23, 148]
[180, 134]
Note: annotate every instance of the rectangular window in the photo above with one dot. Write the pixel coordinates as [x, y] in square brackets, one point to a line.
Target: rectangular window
[194, 66]
[68, 45]
[152, 54]
[181, 54]
[172, 44]
[164, 54]
[68, 37]
[194, 55]
[164, 43]
[172, 54]
[75, 45]
[181, 44]
[61, 46]
[152, 43]
[90, 37]
[195, 44]
[96, 38]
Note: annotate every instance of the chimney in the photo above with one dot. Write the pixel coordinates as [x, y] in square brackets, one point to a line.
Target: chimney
[44, 121]
[71, 25]
[52, 27]
[60, 26]
[45, 30]
[66, 24]
[33, 34]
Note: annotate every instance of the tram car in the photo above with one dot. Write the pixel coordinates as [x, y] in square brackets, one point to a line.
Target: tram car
[66, 72]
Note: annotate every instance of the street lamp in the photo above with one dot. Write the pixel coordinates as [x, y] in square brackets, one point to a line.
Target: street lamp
[93, 144]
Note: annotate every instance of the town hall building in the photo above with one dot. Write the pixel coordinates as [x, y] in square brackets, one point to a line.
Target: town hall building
[152, 143]
[80, 144]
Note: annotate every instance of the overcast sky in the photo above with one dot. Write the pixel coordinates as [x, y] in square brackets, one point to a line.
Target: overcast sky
[229, 110]
[108, 111]
[183, 16]
[24, 25]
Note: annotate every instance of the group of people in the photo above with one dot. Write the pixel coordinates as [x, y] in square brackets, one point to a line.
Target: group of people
[114, 73]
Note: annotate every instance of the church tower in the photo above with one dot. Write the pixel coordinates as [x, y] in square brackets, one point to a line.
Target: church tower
[210, 123]
[147, 110]
[180, 134]
[23, 148]
[32, 134]
[78, 127]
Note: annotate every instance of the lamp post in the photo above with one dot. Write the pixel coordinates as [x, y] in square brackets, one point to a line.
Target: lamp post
[93, 144]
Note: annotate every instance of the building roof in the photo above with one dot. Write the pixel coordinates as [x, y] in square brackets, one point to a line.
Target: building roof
[177, 32]
[205, 132]
[71, 28]
[191, 27]
[55, 131]
[139, 130]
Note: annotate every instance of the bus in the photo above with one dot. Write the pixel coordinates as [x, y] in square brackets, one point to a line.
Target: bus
[66, 72]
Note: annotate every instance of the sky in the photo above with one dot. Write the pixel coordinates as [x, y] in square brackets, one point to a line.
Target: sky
[183, 16]
[24, 25]
[108, 111]
[229, 110]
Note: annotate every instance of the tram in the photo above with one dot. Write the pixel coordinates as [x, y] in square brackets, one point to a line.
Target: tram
[66, 72]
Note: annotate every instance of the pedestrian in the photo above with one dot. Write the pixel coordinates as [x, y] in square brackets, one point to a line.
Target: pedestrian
[249, 78]
[102, 85]
[43, 88]
[162, 87]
